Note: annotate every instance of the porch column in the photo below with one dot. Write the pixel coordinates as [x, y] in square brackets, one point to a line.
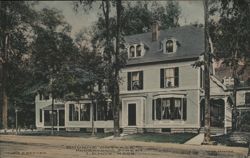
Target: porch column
[225, 111]
[57, 112]
[42, 117]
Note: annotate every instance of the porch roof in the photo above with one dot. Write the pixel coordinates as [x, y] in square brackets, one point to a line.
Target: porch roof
[56, 107]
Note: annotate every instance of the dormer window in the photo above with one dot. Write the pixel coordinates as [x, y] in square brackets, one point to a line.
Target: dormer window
[132, 51]
[169, 46]
[136, 50]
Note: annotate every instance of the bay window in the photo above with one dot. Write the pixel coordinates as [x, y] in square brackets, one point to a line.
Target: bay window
[169, 109]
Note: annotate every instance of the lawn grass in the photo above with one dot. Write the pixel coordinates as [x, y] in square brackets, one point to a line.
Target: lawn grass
[178, 138]
[65, 134]
[225, 140]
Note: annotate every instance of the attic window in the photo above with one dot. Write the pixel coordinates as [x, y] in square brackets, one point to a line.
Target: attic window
[169, 46]
[132, 51]
[136, 50]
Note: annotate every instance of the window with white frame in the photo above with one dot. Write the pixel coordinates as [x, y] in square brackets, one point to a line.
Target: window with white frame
[138, 50]
[169, 109]
[79, 112]
[135, 50]
[132, 51]
[85, 112]
[135, 80]
[169, 46]
[104, 111]
[169, 77]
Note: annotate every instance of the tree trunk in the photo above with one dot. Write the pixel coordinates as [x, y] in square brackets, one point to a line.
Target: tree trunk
[116, 99]
[4, 69]
[234, 112]
[207, 77]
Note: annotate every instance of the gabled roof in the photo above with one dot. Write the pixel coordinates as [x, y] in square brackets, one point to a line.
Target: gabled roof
[190, 38]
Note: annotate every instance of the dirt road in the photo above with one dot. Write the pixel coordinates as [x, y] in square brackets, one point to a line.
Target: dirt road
[12, 146]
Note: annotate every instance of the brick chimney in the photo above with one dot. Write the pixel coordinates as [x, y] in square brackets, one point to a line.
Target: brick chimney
[155, 31]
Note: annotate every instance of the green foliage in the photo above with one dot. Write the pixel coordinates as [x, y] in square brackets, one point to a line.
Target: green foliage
[17, 20]
[52, 52]
[231, 33]
[138, 18]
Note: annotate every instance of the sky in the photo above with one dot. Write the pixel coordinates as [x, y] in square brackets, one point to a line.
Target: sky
[191, 12]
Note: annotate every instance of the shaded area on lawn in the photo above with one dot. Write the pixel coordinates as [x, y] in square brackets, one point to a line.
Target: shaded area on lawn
[236, 139]
[179, 138]
[62, 134]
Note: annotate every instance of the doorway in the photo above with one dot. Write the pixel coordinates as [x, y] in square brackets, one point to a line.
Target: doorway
[131, 114]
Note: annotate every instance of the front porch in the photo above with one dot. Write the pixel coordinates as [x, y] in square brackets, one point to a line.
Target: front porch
[58, 117]
[220, 114]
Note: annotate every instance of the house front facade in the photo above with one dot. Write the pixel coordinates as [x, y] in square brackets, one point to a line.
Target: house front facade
[160, 90]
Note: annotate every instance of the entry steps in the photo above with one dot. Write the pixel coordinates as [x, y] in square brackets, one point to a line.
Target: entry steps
[132, 130]
[214, 130]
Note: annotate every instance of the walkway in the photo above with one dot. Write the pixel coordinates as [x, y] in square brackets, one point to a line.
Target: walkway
[197, 140]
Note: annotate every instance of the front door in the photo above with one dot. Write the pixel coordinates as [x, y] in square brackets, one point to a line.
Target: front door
[131, 114]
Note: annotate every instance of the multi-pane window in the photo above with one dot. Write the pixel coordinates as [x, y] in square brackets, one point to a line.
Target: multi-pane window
[138, 50]
[169, 77]
[48, 117]
[135, 50]
[247, 98]
[82, 110]
[169, 109]
[135, 80]
[104, 111]
[85, 112]
[169, 46]
[132, 51]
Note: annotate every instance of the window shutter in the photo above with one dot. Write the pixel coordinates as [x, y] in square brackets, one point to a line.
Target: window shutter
[41, 115]
[158, 109]
[153, 110]
[247, 98]
[184, 108]
[141, 79]
[70, 112]
[129, 81]
[162, 78]
[176, 74]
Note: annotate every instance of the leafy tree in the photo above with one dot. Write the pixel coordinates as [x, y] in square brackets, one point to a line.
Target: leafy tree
[110, 33]
[138, 18]
[168, 15]
[86, 73]
[231, 37]
[16, 22]
[52, 51]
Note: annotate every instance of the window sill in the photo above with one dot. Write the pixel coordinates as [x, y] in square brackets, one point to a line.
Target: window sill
[135, 90]
[170, 87]
[169, 121]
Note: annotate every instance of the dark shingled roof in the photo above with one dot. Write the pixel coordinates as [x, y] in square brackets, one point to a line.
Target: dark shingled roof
[190, 38]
